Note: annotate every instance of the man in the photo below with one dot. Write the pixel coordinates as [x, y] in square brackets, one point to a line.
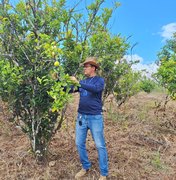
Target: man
[90, 117]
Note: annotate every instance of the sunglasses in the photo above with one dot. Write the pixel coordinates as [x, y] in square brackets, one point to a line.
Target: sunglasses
[87, 66]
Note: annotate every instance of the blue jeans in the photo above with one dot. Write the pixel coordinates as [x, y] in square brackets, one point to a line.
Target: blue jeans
[95, 124]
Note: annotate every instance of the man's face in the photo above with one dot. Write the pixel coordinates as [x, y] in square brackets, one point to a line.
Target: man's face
[88, 69]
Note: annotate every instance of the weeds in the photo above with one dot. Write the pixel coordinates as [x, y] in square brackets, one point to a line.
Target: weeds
[156, 161]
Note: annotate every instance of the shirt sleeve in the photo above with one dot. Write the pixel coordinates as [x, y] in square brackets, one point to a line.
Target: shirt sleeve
[95, 88]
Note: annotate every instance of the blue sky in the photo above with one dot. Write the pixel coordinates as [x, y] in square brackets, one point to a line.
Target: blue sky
[149, 22]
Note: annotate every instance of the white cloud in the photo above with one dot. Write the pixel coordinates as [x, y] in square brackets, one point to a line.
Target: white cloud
[134, 57]
[168, 30]
[148, 69]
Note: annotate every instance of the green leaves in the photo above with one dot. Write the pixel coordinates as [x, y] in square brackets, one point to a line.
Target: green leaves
[29, 39]
[167, 70]
[127, 85]
[106, 15]
[147, 84]
[9, 80]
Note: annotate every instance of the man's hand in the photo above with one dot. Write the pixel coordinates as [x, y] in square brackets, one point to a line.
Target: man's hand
[74, 79]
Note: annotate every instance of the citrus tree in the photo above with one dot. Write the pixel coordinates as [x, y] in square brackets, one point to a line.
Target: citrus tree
[29, 58]
[127, 85]
[147, 84]
[167, 67]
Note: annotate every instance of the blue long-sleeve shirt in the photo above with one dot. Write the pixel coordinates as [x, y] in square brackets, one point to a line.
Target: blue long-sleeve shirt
[91, 95]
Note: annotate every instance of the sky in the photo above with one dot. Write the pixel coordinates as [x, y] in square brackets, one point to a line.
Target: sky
[149, 23]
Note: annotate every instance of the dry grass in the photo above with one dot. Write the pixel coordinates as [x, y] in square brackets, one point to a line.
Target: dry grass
[141, 143]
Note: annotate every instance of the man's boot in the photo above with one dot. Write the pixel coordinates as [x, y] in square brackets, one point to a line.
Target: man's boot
[81, 173]
[102, 177]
